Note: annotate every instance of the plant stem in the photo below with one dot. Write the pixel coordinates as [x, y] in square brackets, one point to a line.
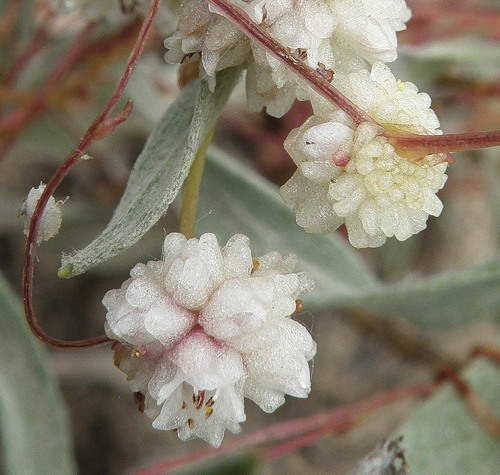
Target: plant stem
[316, 78]
[481, 411]
[38, 42]
[417, 145]
[426, 144]
[191, 194]
[100, 127]
[14, 123]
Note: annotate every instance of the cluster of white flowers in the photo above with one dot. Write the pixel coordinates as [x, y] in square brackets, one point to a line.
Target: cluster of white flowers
[344, 35]
[51, 219]
[347, 173]
[352, 175]
[205, 327]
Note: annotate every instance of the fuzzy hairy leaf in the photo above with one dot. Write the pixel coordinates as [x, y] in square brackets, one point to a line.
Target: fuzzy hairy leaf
[158, 173]
[34, 429]
[444, 300]
[443, 436]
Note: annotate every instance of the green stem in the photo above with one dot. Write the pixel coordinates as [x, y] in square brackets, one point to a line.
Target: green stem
[191, 194]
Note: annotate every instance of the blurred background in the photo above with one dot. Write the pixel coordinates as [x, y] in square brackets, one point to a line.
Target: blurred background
[449, 50]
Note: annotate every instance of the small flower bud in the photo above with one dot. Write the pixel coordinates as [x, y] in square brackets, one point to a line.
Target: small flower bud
[52, 216]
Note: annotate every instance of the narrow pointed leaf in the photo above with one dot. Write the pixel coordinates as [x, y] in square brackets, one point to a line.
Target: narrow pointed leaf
[448, 299]
[158, 173]
[34, 429]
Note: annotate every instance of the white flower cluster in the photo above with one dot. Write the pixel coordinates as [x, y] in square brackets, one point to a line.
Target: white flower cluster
[352, 175]
[51, 218]
[347, 174]
[205, 327]
[344, 35]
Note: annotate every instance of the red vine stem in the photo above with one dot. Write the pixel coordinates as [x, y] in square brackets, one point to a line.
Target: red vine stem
[303, 440]
[14, 123]
[100, 127]
[488, 351]
[423, 144]
[38, 42]
[444, 143]
[486, 417]
[302, 431]
[9, 19]
[315, 78]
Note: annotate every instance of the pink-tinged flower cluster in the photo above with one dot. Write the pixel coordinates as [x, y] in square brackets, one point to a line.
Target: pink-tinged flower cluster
[207, 326]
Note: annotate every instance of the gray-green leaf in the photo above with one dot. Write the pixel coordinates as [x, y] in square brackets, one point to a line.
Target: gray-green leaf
[444, 437]
[34, 429]
[448, 299]
[158, 173]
